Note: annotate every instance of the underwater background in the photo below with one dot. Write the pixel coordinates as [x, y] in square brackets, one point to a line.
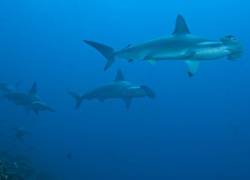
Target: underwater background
[196, 128]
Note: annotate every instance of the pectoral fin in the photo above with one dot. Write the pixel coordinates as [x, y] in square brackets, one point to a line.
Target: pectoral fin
[127, 102]
[192, 67]
[36, 111]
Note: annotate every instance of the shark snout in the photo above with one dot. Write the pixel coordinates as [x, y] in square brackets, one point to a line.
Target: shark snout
[234, 46]
[236, 51]
[149, 92]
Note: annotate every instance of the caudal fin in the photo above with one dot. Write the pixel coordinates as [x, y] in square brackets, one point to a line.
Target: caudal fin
[77, 98]
[149, 92]
[105, 50]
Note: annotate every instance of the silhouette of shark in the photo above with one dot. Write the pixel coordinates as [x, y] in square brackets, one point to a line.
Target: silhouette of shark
[119, 89]
[28, 100]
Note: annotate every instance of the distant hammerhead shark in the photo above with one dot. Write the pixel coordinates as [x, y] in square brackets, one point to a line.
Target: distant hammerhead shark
[119, 89]
[28, 100]
[20, 133]
[181, 45]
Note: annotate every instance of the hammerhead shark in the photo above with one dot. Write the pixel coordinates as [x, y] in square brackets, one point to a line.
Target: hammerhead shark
[28, 100]
[20, 133]
[118, 89]
[180, 45]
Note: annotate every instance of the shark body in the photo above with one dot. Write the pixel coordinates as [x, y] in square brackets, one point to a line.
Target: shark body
[181, 45]
[119, 89]
[28, 100]
[20, 133]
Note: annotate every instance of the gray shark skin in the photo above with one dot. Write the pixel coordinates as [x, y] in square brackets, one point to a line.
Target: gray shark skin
[20, 133]
[181, 45]
[4, 88]
[28, 100]
[38, 106]
[21, 98]
[119, 89]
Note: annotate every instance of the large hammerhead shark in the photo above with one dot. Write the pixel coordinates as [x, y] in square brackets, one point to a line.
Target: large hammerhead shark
[181, 45]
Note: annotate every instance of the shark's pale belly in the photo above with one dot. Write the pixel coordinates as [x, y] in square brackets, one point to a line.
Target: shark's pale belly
[210, 53]
[180, 49]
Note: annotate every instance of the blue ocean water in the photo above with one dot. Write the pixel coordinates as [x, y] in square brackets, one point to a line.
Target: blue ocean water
[196, 128]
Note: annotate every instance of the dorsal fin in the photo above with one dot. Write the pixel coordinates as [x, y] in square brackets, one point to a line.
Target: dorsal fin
[33, 89]
[119, 76]
[181, 27]
[128, 46]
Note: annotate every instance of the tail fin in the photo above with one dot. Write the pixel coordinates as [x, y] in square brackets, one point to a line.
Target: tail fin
[106, 51]
[150, 93]
[77, 98]
[33, 89]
